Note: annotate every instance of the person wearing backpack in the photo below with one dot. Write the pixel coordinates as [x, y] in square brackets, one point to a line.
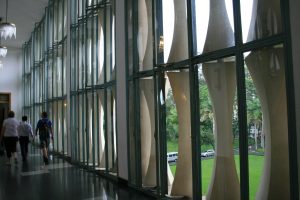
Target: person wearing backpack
[44, 127]
[24, 130]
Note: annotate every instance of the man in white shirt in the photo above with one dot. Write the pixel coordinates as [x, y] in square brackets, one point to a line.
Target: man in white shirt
[24, 130]
[10, 135]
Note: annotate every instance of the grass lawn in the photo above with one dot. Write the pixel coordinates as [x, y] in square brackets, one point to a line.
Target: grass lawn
[255, 171]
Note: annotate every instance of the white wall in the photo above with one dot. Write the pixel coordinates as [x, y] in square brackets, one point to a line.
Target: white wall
[121, 90]
[295, 16]
[11, 79]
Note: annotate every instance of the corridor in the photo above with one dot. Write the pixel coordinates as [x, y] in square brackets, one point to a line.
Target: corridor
[58, 180]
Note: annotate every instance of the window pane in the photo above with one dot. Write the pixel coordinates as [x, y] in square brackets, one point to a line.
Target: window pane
[267, 124]
[145, 35]
[219, 129]
[260, 19]
[132, 135]
[175, 33]
[179, 133]
[214, 25]
[147, 128]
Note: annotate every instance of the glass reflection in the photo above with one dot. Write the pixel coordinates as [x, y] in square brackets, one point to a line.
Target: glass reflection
[179, 84]
[267, 70]
[218, 85]
[265, 19]
[147, 124]
[145, 38]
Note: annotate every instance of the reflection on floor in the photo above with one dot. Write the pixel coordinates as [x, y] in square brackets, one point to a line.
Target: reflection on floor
[59, 180]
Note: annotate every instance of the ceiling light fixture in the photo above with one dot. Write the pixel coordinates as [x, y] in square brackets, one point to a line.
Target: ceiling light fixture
[3, 50]
[7, 29]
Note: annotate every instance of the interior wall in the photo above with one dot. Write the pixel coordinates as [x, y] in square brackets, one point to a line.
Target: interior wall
[11, 79]
[121, 90]
[295, 28]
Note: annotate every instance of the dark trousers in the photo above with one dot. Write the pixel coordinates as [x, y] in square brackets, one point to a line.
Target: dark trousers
[10, 144]
[24, 140]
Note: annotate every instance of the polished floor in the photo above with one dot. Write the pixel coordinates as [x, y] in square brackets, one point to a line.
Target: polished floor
[58, 180]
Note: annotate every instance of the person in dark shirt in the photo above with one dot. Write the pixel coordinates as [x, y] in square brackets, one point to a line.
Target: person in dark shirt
[44, 127]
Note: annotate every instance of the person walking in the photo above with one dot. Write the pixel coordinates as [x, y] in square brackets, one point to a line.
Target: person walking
[24, 130]
[44, 127]
[9, 134]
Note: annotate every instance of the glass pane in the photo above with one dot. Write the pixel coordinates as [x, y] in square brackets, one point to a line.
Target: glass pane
[145, 35]
[65, 27]
[59, 71]
[65, 129]
[100, 130]
[74, 128]
[178, 132]
[100, 48]
[267, 124]
[74, 60]
[109, 44]
[64, 65]
[132, 136]
[111, 131]
[147, 127]
[59, 121]
[130, 36]
[89, 126]
[81, 57]
[219, 129]
[50, 75]
[55, 77]
[89, 45]
[260, 19]
[55, 125]
[81, 131]
[175, 33]
[214, 25]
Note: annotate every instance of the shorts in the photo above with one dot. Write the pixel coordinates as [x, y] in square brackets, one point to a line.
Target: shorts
[10, 145]
[44, 143]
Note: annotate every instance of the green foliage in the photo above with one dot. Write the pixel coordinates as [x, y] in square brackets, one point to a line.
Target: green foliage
[171, 118]
[206, 115]
[254, 114]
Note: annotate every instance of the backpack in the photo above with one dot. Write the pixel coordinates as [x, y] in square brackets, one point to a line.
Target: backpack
[44, 130]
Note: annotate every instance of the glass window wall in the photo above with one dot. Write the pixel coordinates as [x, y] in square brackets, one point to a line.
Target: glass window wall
[92, 85]
[223, 60]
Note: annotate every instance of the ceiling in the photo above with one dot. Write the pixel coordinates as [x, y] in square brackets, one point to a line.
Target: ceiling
[24, 14]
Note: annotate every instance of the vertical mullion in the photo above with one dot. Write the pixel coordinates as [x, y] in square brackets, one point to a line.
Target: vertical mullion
[112, 126]
[290, 95]
[98, 128]
[156, 131]
[156, 135]
[161, 105]
[138, 131]
[136, 95]
[126, 20]
[105, 44]
[105, 131]
[242, 106]
[62, 93]
[194, 103]
[93, 90]
[162, 136]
